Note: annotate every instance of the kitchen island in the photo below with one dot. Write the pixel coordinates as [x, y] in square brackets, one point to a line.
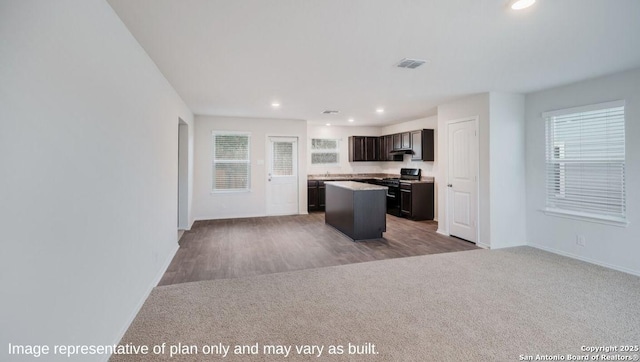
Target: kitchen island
[356, 209]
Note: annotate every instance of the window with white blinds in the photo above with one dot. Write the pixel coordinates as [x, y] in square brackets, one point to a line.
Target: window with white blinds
[585, 162]
[231, 165]
[324, 151]
[282, 159]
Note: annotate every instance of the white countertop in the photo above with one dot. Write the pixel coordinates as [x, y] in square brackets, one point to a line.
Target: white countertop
[355, 186]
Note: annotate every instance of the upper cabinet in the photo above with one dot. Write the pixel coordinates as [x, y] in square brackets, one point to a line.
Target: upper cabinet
[364, 148]
[386, 146]
[406, 140]
[422, 145]
[402, 141]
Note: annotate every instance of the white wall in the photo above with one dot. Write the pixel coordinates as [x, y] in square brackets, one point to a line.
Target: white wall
[341, 133]
[476, 106]
[208, 205]
[88, 190]
[612, 246]
[507, 170]
[501, 174]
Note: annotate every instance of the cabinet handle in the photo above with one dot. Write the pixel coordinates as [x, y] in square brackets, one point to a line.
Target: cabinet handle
[449, 185]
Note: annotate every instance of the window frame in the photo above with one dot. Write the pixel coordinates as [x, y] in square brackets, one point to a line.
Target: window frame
[316, 151]
[214, 190]
[555, 149]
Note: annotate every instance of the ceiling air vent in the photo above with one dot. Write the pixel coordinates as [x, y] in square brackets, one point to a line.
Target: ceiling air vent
[410, 63]
[330, 112]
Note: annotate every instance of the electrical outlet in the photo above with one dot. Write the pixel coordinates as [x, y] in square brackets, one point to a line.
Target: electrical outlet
[580, 240]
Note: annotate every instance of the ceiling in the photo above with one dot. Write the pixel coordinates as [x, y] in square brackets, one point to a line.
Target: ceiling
[234, 58]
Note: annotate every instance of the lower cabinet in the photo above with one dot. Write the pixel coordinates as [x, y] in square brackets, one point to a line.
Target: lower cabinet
[416, 200]
[312, 195]
[315, 195]
[321, 195]
[405, 200]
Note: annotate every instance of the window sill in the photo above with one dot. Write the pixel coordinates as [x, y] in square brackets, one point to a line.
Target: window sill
[586, 217]
[230, 192]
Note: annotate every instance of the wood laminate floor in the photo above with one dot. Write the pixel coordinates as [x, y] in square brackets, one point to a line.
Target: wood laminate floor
[231, 248]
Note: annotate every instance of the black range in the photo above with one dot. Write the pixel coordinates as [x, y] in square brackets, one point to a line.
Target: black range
[393, 185]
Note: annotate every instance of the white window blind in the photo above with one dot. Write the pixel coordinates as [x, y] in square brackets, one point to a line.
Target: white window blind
[231, 165]
[324, 151]
[585, 157]
[282, 159]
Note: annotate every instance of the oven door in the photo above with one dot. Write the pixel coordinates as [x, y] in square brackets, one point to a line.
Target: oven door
[393, 200]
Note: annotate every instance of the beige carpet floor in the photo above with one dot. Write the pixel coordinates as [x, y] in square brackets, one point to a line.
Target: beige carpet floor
[481, 305]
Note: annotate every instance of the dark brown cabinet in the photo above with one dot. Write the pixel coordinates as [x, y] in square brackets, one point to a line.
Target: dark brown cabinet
[406, 140]
[364, 148]
[402, 141]
[315, 195]
[312, 195]
[416, 200]
[386, 146]
[321, 195]
[422, 145]
[405, 200]
[388, 141]
[382, 151]
[371, 148]
[356, 148]
[397, 141]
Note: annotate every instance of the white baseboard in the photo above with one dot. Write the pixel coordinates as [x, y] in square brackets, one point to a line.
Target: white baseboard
[148, 290]
[441, 232]
[582, 258]
[226, 217]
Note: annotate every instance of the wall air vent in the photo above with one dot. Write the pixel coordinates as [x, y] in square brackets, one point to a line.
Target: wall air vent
[330, 112]
[410, 63]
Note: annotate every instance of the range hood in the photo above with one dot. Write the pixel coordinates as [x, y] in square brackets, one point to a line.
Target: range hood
[401, 152]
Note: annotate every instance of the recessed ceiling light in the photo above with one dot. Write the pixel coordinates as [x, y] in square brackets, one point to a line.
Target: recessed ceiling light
[380, 110]
[521, 4]
[328, 124]
[350, 119]
[275, 104]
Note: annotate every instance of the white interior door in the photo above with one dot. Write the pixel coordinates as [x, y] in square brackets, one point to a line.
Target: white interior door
[462, 190]
[282, 176]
